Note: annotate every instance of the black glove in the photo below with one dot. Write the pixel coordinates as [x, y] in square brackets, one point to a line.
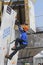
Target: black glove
[17, 22]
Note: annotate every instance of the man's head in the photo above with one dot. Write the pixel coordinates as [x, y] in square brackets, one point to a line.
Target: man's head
[25, 27]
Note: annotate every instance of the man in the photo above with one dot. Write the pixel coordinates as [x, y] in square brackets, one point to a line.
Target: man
[22, 41]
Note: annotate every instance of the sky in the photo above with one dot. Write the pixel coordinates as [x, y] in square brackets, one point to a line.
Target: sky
[38, 7]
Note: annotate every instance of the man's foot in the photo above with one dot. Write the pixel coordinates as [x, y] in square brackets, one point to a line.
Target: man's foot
[8, 57]
[12, 48]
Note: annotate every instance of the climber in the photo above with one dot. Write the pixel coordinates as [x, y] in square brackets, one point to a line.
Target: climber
[22, 40]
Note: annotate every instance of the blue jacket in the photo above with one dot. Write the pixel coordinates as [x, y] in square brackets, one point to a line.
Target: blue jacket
[23, 35]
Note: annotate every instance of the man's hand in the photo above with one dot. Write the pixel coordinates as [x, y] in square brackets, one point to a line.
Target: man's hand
[17, 22]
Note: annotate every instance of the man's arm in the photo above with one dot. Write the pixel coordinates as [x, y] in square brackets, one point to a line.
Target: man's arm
[19, 26]
[20, 29]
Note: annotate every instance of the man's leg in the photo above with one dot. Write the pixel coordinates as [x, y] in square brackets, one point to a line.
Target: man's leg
[18, 41]
[15, 50]
[11, 55]
[22, 46]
